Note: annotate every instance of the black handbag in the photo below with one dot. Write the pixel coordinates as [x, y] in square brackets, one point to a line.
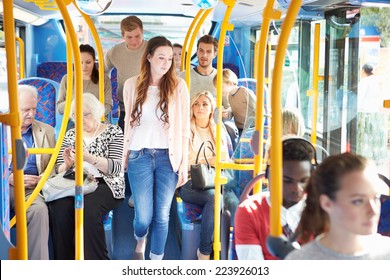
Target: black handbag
[203, 174]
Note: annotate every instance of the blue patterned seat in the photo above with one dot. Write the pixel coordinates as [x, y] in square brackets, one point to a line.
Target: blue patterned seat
[47, 97]
[5, 234]
[115, 101]
[52, 70]
[248, 83]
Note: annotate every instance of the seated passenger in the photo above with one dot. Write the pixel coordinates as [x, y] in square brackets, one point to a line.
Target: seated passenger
[103, 146]
[252, 224]
[293, 122]
[203, 129]
[241, 99]
[90, 82]
[35, 134]
[342, 212]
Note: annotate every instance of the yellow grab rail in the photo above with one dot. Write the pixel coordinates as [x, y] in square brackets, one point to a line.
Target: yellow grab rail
[22, 58]
[186, 54]
[226, 26]
[276, 122]
[99, 50]
[79, 199]
[269, 14]
[13, 119]
[314, 91]
[191, 45]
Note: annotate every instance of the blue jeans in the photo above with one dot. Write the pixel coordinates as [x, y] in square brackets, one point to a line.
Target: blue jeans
[153, 184]
[204, 199]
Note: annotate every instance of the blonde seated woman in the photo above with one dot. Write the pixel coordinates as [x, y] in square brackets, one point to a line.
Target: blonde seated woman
[203, 128]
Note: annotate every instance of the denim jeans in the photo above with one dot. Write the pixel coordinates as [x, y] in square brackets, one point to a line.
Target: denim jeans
[204, 199]
[153, 184]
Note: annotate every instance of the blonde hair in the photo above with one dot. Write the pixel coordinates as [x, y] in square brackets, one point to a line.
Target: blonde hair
[228, 76]
[212, 102]
[293, 122]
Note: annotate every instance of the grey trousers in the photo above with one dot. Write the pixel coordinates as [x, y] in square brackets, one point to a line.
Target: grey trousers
[38, 230]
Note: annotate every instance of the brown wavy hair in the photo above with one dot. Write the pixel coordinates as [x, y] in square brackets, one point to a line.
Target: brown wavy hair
[167, 85]
[326, 180]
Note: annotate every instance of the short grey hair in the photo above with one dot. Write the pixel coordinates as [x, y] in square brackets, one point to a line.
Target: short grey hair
[90, 102]
[29, 89]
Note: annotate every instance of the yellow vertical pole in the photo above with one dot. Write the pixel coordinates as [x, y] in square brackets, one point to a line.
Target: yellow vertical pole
[314, 91]
[79, 198]
[191, 45]
[226, 26]
[186, 54]
[22, 58]
[276, 122]
[20, 251]
[99, 49]
[269, 13]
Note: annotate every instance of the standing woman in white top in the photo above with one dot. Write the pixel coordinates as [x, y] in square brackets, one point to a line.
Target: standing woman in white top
[342, 211]
[157, 131]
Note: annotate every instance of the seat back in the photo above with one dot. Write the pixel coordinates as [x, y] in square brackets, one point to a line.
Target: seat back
[53, 70]
[47, 97]
[4, 195]
[115, 101]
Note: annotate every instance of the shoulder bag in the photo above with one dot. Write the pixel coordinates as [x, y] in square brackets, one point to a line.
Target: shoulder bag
[60, 186]
[203, 174]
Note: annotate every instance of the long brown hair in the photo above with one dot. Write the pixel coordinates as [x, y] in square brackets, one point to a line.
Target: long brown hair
[85, 48]
[325, 181]
[167, 84]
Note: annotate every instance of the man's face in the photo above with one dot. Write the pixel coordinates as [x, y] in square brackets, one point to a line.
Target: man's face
[133, 38]
[28, 109]
[205, 54]
[295, 176]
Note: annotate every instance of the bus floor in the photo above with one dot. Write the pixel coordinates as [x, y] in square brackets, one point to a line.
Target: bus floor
[123, 242]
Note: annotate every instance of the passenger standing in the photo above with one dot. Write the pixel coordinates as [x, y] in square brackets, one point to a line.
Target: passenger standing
[372, 122]
[203, 128]
[342, 212]
[157, 130]
[90, 82]
[203, 74]
[252, 220]
[177, 50]
[35, 134]
[126, 57]
[103, 144]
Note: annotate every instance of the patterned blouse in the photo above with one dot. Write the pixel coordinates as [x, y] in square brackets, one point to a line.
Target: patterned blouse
[108, 144]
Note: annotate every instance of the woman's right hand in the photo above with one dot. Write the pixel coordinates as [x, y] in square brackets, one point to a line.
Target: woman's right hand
[68, 155]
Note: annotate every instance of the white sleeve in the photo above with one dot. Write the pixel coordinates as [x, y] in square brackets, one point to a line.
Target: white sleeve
[249, 252]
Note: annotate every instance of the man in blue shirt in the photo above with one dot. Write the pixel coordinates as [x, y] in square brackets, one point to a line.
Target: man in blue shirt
[36, 135]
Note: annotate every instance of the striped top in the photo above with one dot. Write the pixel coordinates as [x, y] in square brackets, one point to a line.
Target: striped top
[108, 144]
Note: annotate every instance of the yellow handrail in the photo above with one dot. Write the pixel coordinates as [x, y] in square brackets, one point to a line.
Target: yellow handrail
[13, 119]
[269, 14]
[314, 91]
[79, 199]
[99, 50]
[22, 57]
[276, 122]
[186, 54]
[191, 45]
[225, 26]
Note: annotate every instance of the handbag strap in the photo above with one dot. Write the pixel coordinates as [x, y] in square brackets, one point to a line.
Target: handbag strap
[208, 142]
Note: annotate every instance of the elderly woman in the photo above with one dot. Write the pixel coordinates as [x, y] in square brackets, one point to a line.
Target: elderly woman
[203, 128]
[103, 146]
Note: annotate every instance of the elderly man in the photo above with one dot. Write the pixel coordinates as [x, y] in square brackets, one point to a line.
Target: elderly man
[35, 134]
